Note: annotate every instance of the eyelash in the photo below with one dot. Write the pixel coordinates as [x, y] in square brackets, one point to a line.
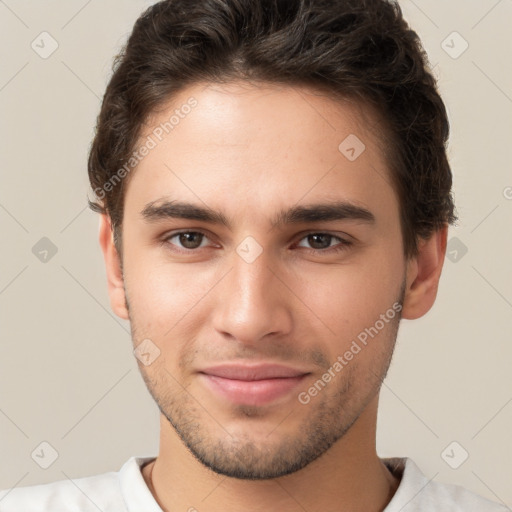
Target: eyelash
[343, 246]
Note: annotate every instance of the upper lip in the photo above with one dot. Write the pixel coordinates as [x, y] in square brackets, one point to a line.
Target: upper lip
[253, 372]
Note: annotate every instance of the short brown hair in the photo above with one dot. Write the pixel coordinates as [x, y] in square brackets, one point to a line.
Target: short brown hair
[360, 49]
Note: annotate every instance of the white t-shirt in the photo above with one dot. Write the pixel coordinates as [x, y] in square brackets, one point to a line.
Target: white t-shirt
[126, 491]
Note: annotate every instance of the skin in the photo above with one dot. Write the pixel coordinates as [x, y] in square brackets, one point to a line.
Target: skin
[250, 150]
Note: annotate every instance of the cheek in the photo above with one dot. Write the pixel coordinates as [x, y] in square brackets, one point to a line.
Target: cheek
[158, 297]
[162, 305]
[345, 299]
[163, 296]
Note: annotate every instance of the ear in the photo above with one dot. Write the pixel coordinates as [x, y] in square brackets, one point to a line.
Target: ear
[113, 268]
[423, 273]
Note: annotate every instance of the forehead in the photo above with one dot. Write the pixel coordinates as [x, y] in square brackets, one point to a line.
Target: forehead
[263, 108]
[251, 146]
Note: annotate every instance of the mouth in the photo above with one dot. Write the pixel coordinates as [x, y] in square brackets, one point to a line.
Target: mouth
[252, 384]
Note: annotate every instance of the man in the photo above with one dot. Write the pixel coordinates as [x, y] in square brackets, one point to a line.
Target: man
[274, 196]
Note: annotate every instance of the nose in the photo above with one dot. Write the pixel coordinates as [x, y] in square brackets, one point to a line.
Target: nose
[252, 301]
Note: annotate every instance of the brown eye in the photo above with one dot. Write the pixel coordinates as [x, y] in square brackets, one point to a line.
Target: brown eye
[187, 239]
[320, 240]
[322, 243]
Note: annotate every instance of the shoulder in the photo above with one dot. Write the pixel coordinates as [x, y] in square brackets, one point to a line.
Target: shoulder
[418, 493]
[105, 492]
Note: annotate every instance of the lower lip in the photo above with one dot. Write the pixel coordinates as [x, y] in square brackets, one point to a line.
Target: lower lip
[253, 392]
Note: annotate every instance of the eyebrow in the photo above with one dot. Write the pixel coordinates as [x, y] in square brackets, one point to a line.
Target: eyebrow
[162, 209]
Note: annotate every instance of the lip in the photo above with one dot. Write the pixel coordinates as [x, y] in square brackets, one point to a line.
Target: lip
[246, 384]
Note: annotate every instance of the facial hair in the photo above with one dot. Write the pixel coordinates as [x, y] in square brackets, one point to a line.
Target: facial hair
[330, 417]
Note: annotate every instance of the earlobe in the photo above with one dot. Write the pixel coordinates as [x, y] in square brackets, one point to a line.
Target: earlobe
[115, 280]
[423, 274]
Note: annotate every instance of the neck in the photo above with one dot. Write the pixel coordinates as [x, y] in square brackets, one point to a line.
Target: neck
[349, 476]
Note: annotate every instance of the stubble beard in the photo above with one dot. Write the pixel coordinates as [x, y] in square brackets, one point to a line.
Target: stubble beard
[328, 418]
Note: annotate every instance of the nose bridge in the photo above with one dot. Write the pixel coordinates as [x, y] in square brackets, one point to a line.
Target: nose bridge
[252, 302]
[252, 279]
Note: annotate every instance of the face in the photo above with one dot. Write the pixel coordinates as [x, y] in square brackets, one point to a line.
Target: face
[265, 263]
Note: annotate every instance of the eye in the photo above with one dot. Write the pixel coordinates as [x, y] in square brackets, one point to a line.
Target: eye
[321, 242]
[188, 240]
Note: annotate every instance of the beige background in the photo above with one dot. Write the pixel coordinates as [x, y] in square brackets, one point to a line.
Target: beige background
[67, 373]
